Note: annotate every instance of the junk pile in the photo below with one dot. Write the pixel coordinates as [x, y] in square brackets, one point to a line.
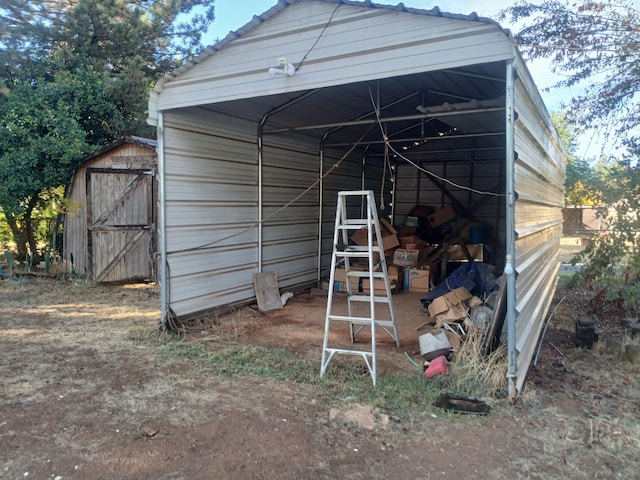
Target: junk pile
[466, 301]
[444, 257]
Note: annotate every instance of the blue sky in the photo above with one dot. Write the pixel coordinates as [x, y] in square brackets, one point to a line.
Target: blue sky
[233, 14]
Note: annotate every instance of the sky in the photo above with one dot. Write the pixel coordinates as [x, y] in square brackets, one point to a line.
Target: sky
[233, 14]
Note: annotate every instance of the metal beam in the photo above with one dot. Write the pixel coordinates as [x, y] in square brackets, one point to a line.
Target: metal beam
[400, 118]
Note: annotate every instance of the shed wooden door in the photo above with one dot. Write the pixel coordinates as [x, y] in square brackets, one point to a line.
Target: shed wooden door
[120, 220]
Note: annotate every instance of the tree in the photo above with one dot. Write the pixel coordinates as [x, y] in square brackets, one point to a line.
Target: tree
[41, 141]
[596, 45]
[577, 185]
[74, 76]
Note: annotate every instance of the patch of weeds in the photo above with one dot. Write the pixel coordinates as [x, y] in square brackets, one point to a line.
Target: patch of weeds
[473, 374]
[181, 347]
[238, 359]
[400, 395]
[138, 334]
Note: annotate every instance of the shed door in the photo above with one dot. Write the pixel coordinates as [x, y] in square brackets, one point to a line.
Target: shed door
[120, 221]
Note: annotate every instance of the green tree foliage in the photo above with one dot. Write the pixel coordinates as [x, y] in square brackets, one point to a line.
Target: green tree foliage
[612, 259]
[579, 173]
[595, 45]
[41, 140]
[74, 76]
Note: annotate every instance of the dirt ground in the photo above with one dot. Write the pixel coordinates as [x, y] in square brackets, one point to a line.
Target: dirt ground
[90, 390]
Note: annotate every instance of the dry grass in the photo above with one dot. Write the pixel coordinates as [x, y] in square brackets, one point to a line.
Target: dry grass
[99, 348]
[475, 374]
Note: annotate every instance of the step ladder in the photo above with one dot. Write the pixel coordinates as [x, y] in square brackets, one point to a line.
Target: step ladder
[362, 202]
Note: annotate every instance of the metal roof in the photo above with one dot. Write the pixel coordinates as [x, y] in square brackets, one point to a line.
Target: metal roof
[149, 143]
[282, 4]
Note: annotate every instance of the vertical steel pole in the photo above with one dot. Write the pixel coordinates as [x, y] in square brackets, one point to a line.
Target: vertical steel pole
[162, 226]
[510, 261]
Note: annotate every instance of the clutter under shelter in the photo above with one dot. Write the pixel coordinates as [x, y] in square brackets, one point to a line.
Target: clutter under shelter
[434, 112]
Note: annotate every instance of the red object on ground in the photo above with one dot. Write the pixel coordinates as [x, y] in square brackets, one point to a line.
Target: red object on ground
[438, 365]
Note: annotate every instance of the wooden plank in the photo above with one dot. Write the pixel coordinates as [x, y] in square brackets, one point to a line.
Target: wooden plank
[120, 255]
[120, 199]
[267, 293]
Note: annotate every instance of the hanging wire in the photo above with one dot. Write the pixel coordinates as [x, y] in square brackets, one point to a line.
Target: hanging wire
[422, 169]
[319, 37]
[384, 176]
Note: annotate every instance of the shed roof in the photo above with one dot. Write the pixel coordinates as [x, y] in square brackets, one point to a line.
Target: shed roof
[359, 43]
[133, 139]
[282, 4]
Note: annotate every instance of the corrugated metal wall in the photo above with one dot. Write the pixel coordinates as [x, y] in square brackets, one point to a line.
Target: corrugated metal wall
[290, 167]
[211, 190]
[539, 176]
[347, 177]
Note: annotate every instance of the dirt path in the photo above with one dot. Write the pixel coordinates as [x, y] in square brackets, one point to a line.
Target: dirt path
[90, 391]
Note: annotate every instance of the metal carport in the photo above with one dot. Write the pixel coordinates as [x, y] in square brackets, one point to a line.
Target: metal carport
[378, 90]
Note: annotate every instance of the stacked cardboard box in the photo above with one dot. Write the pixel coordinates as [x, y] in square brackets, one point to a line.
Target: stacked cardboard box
[395, 282]
[389, 236]
[417, 280]
[451, 306]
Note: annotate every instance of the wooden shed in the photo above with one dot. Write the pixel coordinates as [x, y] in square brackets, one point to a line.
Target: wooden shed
[109, 228]
[258, 134]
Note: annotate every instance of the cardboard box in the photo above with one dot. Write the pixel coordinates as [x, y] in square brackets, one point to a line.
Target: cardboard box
[407, 241]
[455, 253]
[406, 258]
[340, 275]
[417, 280]
[442, 216]
[445, 302]
[394, 273]
[340, 279]
[389, 236]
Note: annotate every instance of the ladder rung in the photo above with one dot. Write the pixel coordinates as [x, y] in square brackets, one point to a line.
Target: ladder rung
[358, 254]
[361, 320]
[349, 352]
[367, 298]
[364, 274]
[360, 248]
[355, 221]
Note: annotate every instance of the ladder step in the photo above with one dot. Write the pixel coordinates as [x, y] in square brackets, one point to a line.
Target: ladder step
[355, 221]
[367, 298]
[349, 352]
[360, 248]
[358, 254]
[364, 274]
[361, 320]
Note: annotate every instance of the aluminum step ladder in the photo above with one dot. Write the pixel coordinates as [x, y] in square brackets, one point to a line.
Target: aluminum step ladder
[362, 202]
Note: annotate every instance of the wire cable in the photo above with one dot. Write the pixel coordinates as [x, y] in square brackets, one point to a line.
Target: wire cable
[319, 37]
[422, 169]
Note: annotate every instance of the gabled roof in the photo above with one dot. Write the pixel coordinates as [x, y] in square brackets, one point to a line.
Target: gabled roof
[282, 4]
[133, 139]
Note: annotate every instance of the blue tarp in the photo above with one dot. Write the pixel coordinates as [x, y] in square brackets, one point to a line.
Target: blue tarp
[476, 277]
